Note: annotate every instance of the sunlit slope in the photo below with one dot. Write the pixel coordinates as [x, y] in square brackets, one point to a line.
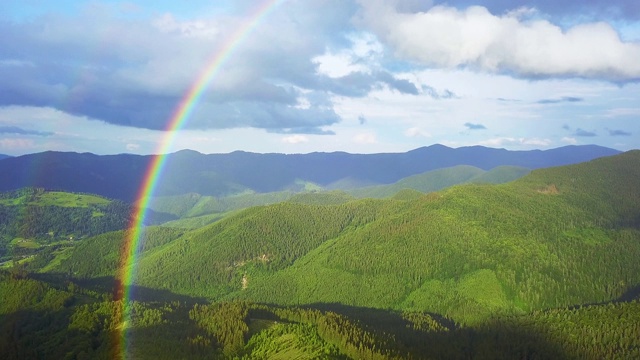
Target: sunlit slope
[99, 256]
[556, 237]
[211, 261]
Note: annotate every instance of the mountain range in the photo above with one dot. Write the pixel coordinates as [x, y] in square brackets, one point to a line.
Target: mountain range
[119, 176]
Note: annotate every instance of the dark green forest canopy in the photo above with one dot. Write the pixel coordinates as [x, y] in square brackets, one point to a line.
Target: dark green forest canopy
[53, 320]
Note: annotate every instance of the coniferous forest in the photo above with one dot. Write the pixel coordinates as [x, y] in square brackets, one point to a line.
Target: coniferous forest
[544, 266]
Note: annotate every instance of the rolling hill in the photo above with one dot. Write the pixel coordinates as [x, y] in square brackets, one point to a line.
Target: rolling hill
[557, 237]
[220, 175]
[36, 224]
[32, 213]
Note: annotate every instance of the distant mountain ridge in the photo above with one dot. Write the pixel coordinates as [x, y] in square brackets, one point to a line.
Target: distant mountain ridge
[3, 156]
[187, 171]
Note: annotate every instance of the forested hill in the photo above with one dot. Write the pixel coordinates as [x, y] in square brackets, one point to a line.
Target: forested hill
[119, 176]
[557, 237]
[33, 213]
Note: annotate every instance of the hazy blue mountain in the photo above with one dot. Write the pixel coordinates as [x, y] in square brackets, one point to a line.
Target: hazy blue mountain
[3, 156]
[119, 176]
[116, 176]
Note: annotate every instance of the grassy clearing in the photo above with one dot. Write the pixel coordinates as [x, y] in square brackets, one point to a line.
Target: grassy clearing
[12, 202]
[59, 256]
[57, 198]
[25, 243]
[289, 341]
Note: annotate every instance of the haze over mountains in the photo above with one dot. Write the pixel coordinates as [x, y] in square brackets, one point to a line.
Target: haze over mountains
[119, 176]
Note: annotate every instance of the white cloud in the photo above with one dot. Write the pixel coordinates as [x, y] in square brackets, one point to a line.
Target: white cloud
[511, 141]
[19, 144]
[569, 140]
[447, 37]
[295, 139]
[417, 132]
[138, 69]
[197, 28]
[337, 65]
[496, 142]
[365, 138]
[535, 142]
[74, 133]
[619, 112]
[360, 57]
[133, 147]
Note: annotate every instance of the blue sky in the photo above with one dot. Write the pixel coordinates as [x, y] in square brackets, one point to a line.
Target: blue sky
[320, 75]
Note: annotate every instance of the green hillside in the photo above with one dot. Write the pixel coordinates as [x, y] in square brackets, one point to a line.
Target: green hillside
[555, 238]
[99, 256]
[266, 238]
[35, 223]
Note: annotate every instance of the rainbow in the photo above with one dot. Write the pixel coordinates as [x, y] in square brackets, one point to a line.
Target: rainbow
[129, 252]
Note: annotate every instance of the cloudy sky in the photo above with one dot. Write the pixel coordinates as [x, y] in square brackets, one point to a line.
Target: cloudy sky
[319, 75]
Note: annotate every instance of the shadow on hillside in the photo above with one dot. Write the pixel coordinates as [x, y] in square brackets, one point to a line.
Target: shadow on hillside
[110, 286]
[494, 340]
[375, 317]
[30, 334]
[629, 295]
[48, 335]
